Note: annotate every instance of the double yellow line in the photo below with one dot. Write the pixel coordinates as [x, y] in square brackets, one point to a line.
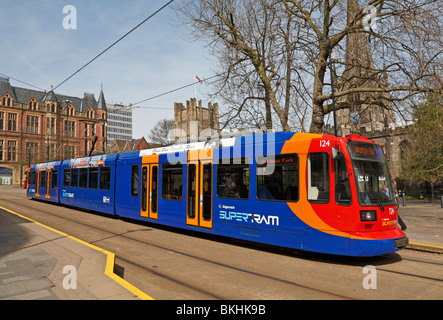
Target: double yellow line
[109, 269]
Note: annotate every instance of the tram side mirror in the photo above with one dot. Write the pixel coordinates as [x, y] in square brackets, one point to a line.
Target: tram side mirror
[336, 153]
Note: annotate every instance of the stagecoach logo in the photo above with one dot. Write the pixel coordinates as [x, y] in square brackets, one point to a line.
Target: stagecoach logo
[249, 217]
[67, 194]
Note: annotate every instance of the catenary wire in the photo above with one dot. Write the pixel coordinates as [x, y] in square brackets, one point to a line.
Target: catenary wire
[124, 36]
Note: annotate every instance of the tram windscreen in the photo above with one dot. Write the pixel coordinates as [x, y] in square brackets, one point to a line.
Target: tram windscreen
[372, 176]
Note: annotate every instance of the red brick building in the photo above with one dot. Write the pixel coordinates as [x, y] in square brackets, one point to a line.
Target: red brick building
[37, 126]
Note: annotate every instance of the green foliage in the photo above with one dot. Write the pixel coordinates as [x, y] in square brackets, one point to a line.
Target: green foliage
[423, 159]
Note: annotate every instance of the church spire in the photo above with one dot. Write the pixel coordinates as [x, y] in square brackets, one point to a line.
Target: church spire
[101, 104]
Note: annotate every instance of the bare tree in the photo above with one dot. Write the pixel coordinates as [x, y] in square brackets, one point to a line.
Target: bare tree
[162, 133]
[252, 42]
[274, 54]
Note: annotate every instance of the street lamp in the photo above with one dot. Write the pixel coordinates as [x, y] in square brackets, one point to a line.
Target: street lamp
[331, 68]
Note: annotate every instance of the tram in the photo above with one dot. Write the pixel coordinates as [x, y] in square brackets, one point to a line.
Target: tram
[303, 191]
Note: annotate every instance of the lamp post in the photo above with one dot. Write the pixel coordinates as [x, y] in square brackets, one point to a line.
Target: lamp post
[86, 139]
[331, 68]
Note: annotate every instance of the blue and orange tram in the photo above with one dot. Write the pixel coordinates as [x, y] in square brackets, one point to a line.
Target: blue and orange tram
[310, 192]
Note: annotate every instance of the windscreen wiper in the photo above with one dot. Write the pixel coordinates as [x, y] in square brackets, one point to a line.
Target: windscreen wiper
[382, 207]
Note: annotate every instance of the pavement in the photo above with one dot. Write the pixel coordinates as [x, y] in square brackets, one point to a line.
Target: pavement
[41, 263]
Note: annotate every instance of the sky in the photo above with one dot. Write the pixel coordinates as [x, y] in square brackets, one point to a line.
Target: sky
[37, 48]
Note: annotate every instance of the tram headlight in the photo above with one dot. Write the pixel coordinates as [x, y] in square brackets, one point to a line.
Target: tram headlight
[368, 215]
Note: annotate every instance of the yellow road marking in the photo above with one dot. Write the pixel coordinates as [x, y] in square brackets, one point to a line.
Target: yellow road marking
[109, 269]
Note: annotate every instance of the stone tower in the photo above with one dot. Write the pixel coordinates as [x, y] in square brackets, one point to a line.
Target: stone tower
[368, 112]
[193, 118]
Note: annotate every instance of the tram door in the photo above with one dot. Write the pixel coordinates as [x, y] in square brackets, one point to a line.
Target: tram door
[48, 184]
[37, 184]
[199, 195]
[149, 190]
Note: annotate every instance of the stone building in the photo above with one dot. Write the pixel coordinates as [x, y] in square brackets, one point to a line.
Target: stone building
[193, 119]
[368, 114]
[38, 126]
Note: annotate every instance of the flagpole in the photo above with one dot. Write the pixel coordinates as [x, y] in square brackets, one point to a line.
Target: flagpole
[195, 87]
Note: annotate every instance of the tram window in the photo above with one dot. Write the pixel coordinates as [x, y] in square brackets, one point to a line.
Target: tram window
[105, 178]
[93, 178]
[191, 190]
[233, 178]
[154, 185]
[32, 178]
[277, 178]
[54, 179]
[342, 184]
[43, 179]
[207, 191]
[134, 180]
[172, 182]
[83, 181]
[66, 178]
[318, 177]
[144, 188]
[74, 178]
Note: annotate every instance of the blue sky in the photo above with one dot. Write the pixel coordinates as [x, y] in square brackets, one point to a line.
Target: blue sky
[156, 58]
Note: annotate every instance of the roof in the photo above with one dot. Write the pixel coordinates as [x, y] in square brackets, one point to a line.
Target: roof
[23, 95]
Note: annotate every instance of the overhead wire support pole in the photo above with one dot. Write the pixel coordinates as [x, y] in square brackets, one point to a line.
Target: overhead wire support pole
[124, 36]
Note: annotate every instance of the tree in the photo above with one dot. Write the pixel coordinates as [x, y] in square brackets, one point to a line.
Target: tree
[423, 159]
[163, 133]
[276, 53]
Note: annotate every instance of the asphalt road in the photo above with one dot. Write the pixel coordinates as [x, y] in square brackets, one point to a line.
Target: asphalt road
[167, 264]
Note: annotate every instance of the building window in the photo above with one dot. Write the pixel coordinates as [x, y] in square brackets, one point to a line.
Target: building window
[1, 150]
[50, 126]
[52, 151]
[33, 105]
[32, 152]
[7, 101]
[12, 150]
[90, 114]
[70, 152]
[70, 111]
[69, 129]
[2, 120]
[32, 124]
[12, 121]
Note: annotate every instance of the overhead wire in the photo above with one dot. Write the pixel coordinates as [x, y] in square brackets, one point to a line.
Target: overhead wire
[112, 45]
[26, 83]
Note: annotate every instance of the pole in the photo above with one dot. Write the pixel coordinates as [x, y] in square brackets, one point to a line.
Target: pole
[86, 139]
[47, 149]
[331, 67]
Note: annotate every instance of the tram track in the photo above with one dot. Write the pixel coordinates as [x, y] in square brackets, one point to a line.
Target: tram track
[189, 285]
[183, 253]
